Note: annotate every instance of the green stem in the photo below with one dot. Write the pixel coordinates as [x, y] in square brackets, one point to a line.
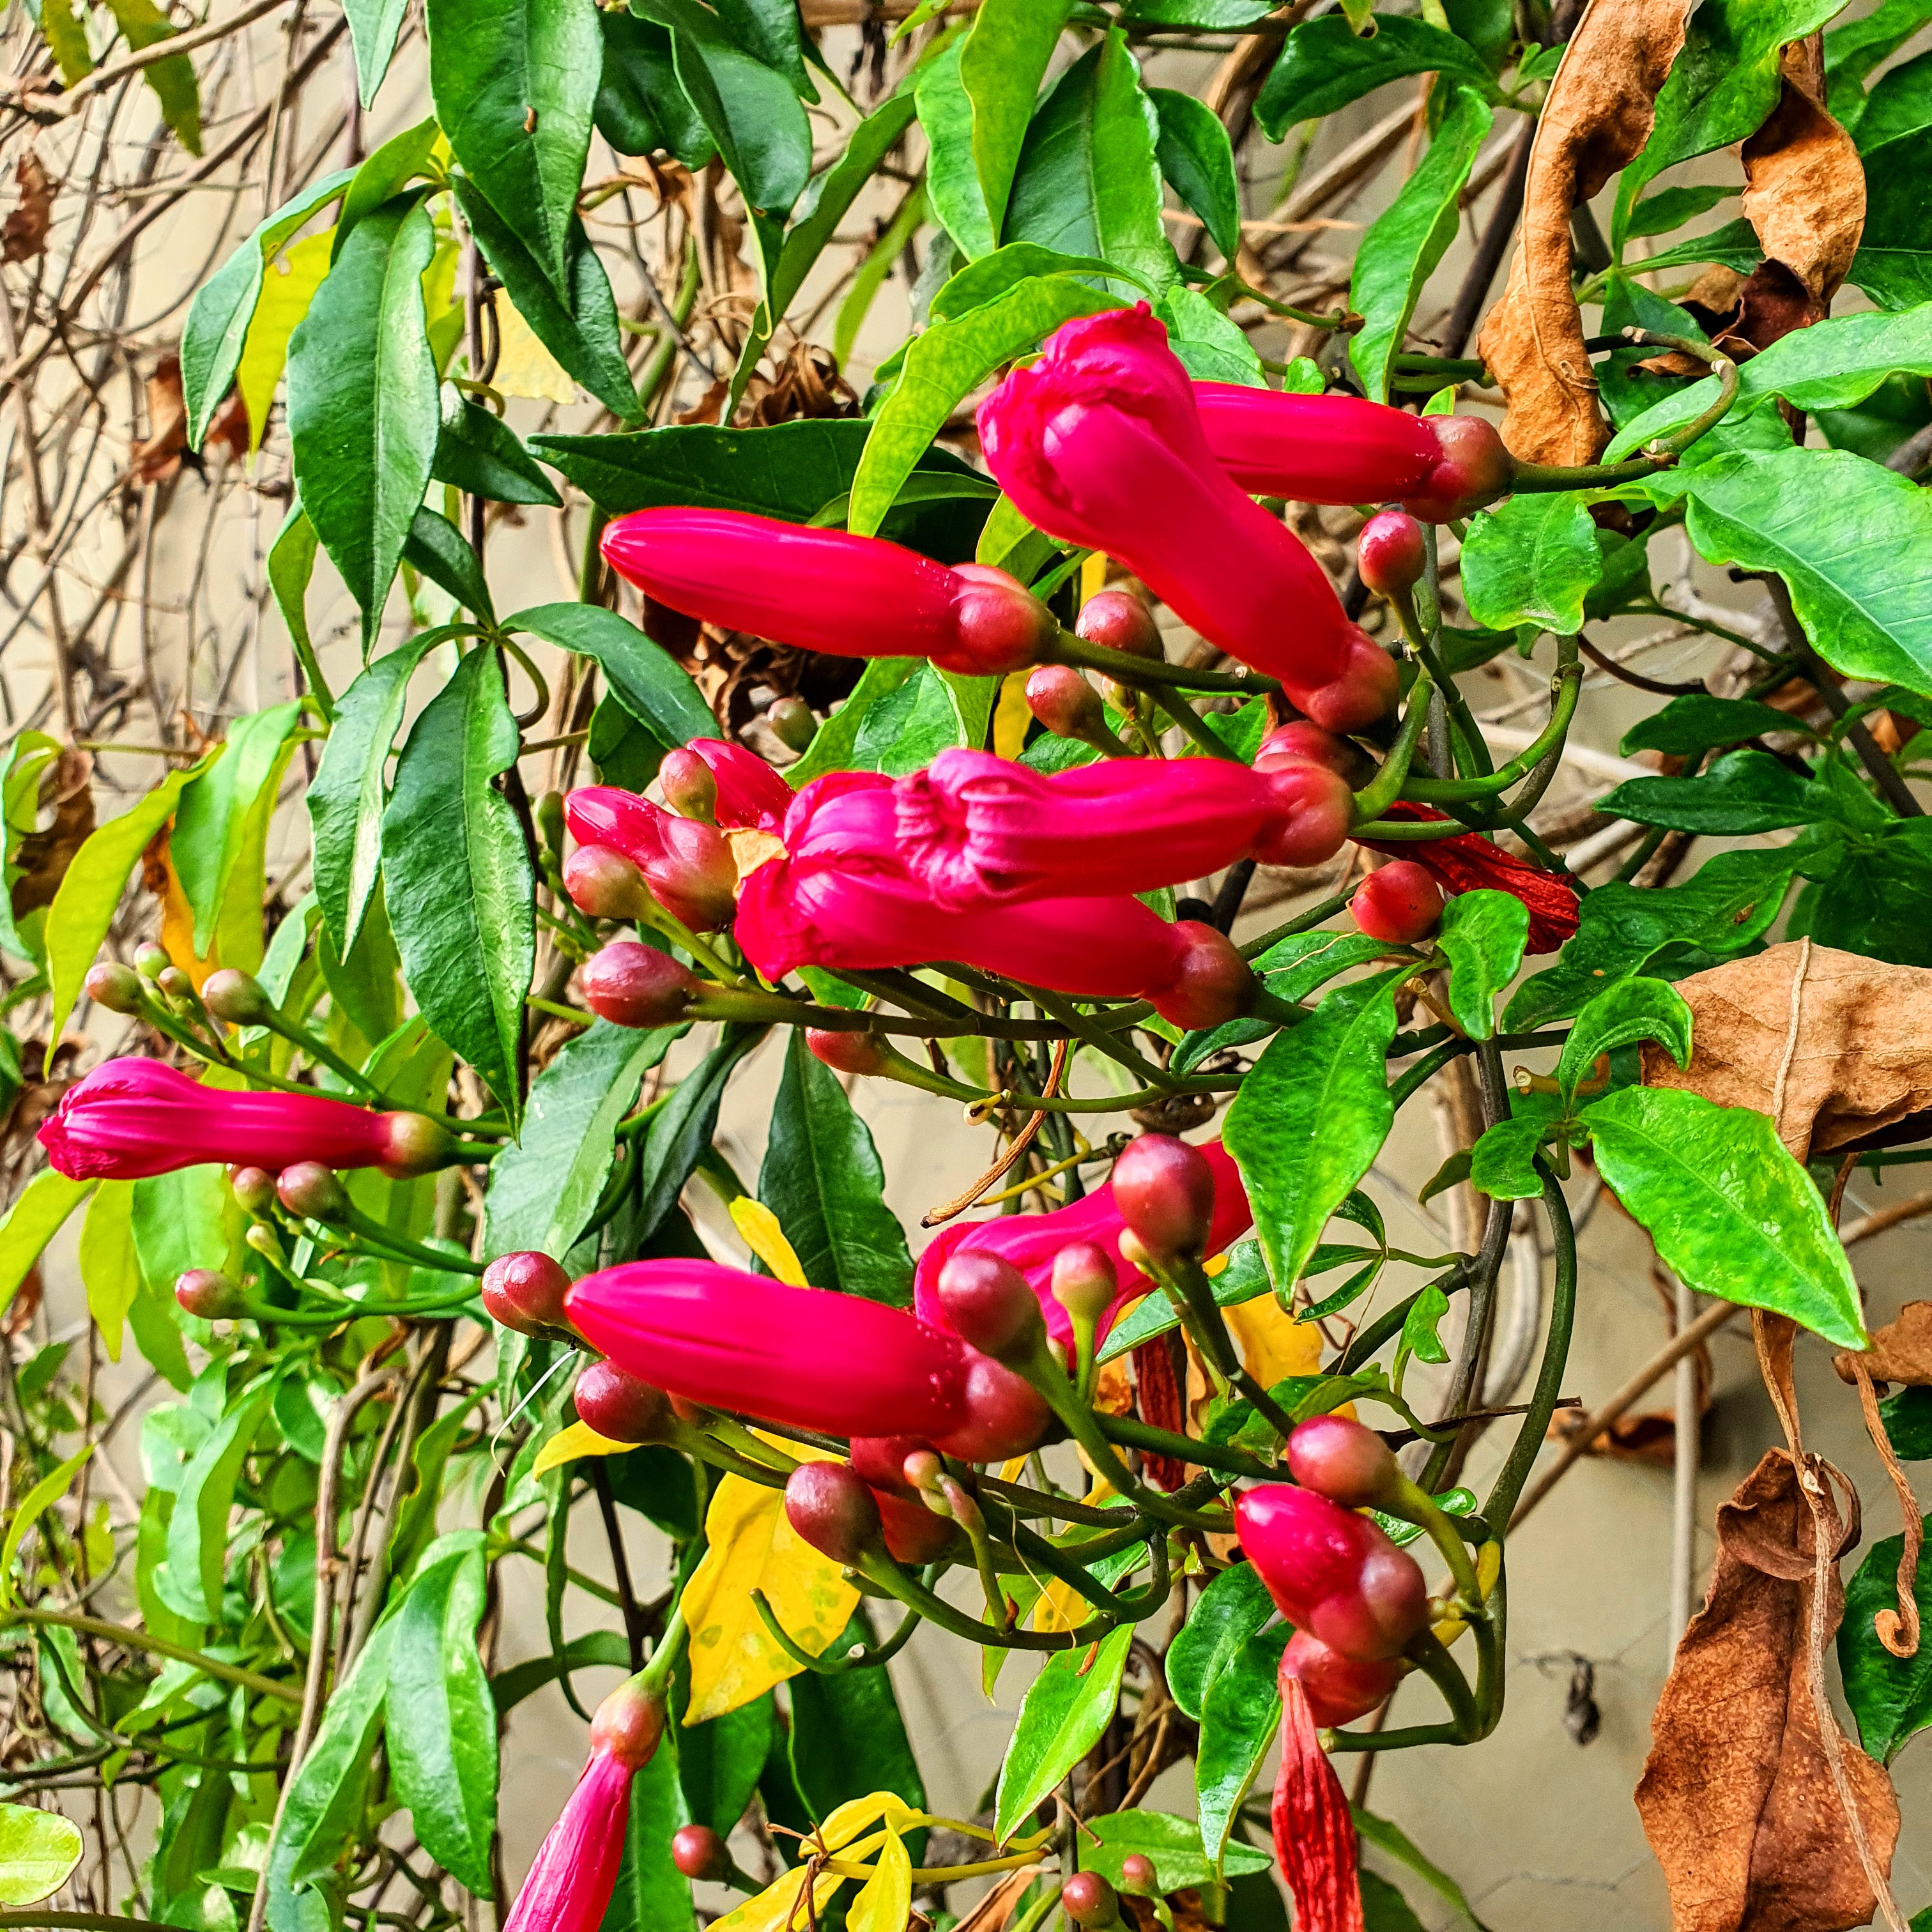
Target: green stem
[1446, 1675]
[140, 1639]
[866, 1660]
[1379, 794]
[1190, 720]
[1302, 921]
[1146, 673]
[1133, 1433]
[1567, 685]
[1502, 1498]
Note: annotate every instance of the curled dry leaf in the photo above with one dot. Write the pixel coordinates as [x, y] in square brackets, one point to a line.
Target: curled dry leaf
[159, 456]
[1836, 1048]
[1738, 1797]
[44, 856]
[1598, 115]
[23, 234]
[1901, 1351]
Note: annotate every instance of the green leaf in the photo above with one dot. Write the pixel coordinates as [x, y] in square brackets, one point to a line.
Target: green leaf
[1088, 181]
[67, 40]
[682, 1130]
[1530, 560]
[1210, 348]
[943, 367]
[514, 82]
[1502, 1164]
[1419, 1325]
[832, 750]
[373, 25]
[1003, 60]
[32, 1506]
[822, 1178]
[1244, 1278]
[907, 727]
[39, 1212]
[1906, 1413]
[769, 29]
[720, 1762]
[362, 401]
[291, 563]
[435, 548]
[1239, 1718]
[441, 1725]
[653, 688]
[1747, 790]
[142, 24]
[38, 1852]
[1233, 1609]
[1210, 16]
[22, 768]
[1061, 1718]
[848, 1738]
[1698, 722]
[542, 1190]
[576, 318]
[1384, 1908]
[1891, 1697]
[1180, 1863]
[1198, 161]
[651, 1893]
[1734, 245]
[829, 197]
[958, 201]
[460, 888]
[1670, 207]
[1392, 1841]
[1855, 47]
[190, 1582]
[1310, 1118]
[1632, 1009]
[1409, 238]
[1730, 1209]
[1482, 936]
[1324, 66]
[1874, 898]
[211, 827]
[109, 1270]
[479, 454]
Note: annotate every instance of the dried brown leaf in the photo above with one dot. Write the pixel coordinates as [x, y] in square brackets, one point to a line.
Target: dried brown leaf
[1805, 191]
[1901, 1351]
[1836, 1047]
[44, 856]
[1737, 1796]
[23, 234]
[159, 458]
[1598, 115]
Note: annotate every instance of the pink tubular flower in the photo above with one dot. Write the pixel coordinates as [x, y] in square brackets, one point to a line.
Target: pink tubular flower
[1468, 862]
[828, 590]
[1316, 449]
[1099, 442]
[574, 1873]
[1030, 1241]
[750, 796]
[980, 830]
[132, 1118]
[843, 896]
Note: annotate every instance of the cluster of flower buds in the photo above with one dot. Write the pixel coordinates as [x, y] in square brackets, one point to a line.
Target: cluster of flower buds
[631, 853]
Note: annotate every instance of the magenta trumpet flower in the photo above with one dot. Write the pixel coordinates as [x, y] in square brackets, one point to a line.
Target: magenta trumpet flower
[829, 590]
[131, 1119]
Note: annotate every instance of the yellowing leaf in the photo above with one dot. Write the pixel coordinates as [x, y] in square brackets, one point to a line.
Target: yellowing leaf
[733, 1658]
[884, 1902]
[1273, 1343]
[288, 285]
[1092, 576]
[524, 367]
[778, 1906]
[38, 1851]
[1216, 1265]
[1011, 716]
[844, 1823]
[766, 1239]
[578, 1439]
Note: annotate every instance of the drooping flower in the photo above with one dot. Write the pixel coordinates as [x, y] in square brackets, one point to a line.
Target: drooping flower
[829, 590]
[1314, 1835]
[1468, 862]
[1099, 443]
[131, 1119]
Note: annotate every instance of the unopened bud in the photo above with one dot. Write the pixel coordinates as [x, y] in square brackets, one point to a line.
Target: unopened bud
[619, 1407]
[211, 1295]
[923, 1470]
[1005, 1416]
[1090, 1901]
[688, 787]
[695, 878]
[1165, 1191]
[413, 1144]
[847, 1052]
[987, 1304]
[116, 987]
[1212, 984]
[604, 884]
[150, 961]
[633, 985]
[699, 1852]
[628, 1724]
[1343, 1460]
[1391, 553]
[312, 1192]
[1138, 1875]
[525, 1291]
[255, 1189]
[1304, 743]
[1474, 469]
[1085, 1280]
[793, 721]
[1317, 810]
[1001, 625]
[1338, 1688]
[549, 821]
[1065, 702]
[175, 984]
[1118, 621]
[1364, 694]
[830, 1507]
[239, 998]
[1398, 903]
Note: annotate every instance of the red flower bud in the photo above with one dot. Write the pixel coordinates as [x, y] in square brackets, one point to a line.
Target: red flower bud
[1004, 1416]
[1118, 621]
[688, 787]
[1474, 469]
[1343, 1460]
[1090, 1902]
[1085, 1280]
[525, 1291]
[116, 987]
[1364, 693]
[847, 1052]
[1304, 743]
[699, 1852]
[1003, 626]
[881, 1460]
[1333, 1573]
[1164, 1190]
[830, 1506]
[1399, 903]
[1390, 553]
[1212, 982]
[1065, 702]
[688, 866]
[255, 1189]
[211, 1295]
[620, 1407]
[604, 884]
[1138, 1875]
[793, 722]
[1339, 1688]
[633, 985]
[1467, 863]
[987, 1303]
[1319, 808]
[311, 1192]
[628, 1724]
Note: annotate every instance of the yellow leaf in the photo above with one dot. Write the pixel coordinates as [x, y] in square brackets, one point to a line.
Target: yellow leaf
[733, 1658]
[844, 1823]
[777, 1905]
[1092, 576]
[1062, 1607]
[568, 1444]
[1216, 1265]
[524, 367]
[766, 1239]
[1011, 717]
[288, 284]
[885, 1900]
[1273, 1343]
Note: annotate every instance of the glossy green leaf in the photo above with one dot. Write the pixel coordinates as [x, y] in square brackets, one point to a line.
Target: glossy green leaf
[1482, 936]
[1730, 1209]
[480, 453]
[23, 767]
[190, 1582]
[1324, 66]
[830, 196]
[38, 1852]
[1231, 1610]
[1631, 1010]
[1409, 238]
[823, 1179]
[1733, 245]
[1392, 1842]
[1180, 1861]
[1530, 560]
[1088, 181]
[1206, 15]
[514, 82]
[542, 1190]
[460, 888]
[1907, 1415]
[1697, 722]
[958, 201]
[1502, 1164]
[67, 40]
[1893, 263]
[651, 1893]
[362, 401]
[1060, 1720]
[1873, 897]
[1670, 207]
[639, 83]
[1003, 60]
[655, 689]
[31, 1508]
[435, 548]
[1291, 969]
[720, 1762]
[682, 1130]
[1244, 1278]
[848, 1738]
[943, 367]
[1310, 1118]
[441, 1726]
[832, 750]
[769, 29]
[1854, 47]
[1239, 1718]
[1211, 347]
[907, 727]
[1891, 1697]
[1197, 161]
[1384, 1908]
[172, 80]
[210, 828]
[1746, 790]
[38, 1213]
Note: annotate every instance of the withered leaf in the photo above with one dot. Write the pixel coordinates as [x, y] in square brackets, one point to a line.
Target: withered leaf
[159, 456]
[1901, 1351]
[44, 856]
[23, 234]
[1805, 191]
[1836, 1047]
[1737, 1798]
[1597, 116]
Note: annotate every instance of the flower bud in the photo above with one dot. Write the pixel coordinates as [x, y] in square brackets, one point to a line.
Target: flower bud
[1363, 694]
[151, 960]
[688, 787]
[1164, 1190]
[830, 1507]
[1332, 1573]
[115, 986]
[1117, 620]
[1090, 1902]
[695, 878]
[619, 1407]
[847, 1052]
[525, 1291]
[1320, 809]
[922, 1470]
[1213, 983]
[1065, 702]
[175, 983]
[255, 1189]
[628, 1724]
[1004, 1416]
[550, 821]
[699, 1852]
[1304, 743]
[1343, 1460]
[239, 998]
[211, 1295]
[1138, 1875]
[633, 985]
[413, 1144]
[1474, 469]
[793, 723]
[1390, 552]
[1338, 1688]
[604, 884]
[1399, 903]
[1002, 626]
[987, 1303]
[311, 1192]
[1085, 1280]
